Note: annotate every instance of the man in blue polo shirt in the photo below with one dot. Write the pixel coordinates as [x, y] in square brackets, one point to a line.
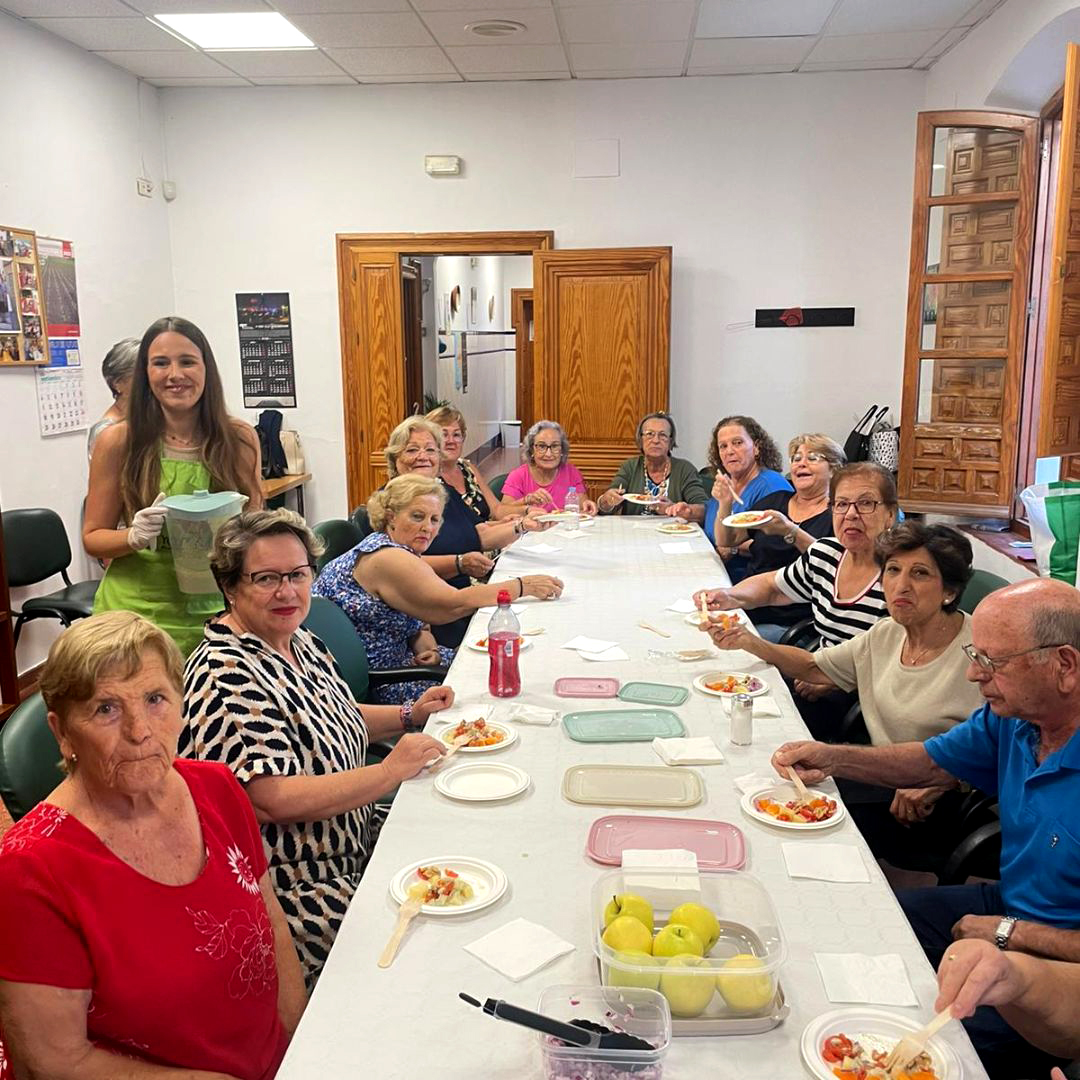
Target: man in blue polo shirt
[1020, 746]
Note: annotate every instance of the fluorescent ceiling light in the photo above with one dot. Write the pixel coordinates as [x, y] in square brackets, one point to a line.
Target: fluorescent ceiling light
[237, 30]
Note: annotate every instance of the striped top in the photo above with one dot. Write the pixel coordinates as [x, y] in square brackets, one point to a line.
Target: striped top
[812, 579]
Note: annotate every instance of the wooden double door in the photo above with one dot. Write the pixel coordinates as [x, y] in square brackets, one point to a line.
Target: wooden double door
[598, 361]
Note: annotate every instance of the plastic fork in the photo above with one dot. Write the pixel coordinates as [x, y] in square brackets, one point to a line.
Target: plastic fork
[911, 1046]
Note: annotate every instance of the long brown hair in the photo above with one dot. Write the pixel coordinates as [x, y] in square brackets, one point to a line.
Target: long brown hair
[229, 458]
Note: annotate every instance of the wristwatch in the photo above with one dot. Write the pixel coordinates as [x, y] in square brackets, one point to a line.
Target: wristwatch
[789, 537]
[1004, 931]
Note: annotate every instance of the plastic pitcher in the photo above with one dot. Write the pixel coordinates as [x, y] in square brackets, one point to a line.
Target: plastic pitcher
[193, 523]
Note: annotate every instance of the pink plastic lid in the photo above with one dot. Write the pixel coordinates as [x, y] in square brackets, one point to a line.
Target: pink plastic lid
[718, 845]
[574, 686]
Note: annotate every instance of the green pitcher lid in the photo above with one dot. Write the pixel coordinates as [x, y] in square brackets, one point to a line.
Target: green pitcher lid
[206, 503]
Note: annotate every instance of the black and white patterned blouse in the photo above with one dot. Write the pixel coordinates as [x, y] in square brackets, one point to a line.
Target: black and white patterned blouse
[246, 706]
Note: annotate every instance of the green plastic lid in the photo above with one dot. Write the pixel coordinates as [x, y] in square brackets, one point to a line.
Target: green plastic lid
[651, 693]
[206, 504]
[623, 725]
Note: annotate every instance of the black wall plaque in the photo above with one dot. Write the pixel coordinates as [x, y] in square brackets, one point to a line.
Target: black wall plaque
[800, 316]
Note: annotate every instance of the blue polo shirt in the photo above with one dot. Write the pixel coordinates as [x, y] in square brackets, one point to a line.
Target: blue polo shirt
[1040, 823]
[765, 483]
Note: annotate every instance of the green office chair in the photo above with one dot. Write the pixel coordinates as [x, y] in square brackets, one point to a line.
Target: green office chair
[36, 546]
[339, 536]
[362, 522]
[496, 484]
[29, 758]
[981, 585]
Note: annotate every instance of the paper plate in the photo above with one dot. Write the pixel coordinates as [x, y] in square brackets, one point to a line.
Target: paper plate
[559, 515]
[639, 499]
[677, 528]
[783, 793]
[482, 781]
[694, 617]
[746, 519]
[474, 644]
[879, 1029]
[487, 880]
[510, 737]
[755, 685]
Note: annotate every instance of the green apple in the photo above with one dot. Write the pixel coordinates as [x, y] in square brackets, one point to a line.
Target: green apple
[675, 940]
[650, 980]
[629, 904]
[688, 994]
[745, 993]
[701, 920]
[627, 934]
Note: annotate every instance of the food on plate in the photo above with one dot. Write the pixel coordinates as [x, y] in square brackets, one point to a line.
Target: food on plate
[849, 1059]
[745, 993]
[749, 517]
[688, 994]
[797, 811]
[700, 919]
[676, 939]
[689, 655]
[625, 933]
[629, 904]
[678, 527]
[735, 684]
[440, 888]
[637, 497]
[724, 619]
[650, 980]
[481, 643]
[478, 731]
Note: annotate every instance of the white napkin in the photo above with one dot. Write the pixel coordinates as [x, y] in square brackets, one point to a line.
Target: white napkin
[517, 609]
[764, 708]
[586, 523]
[539, 549]
[519, 948]
[531, 714]
[575, 534]
[755, 782]
[589, 644]
[614, 653]
[683, 607]
[701, 750]
[677, 547]
[870, 980]
[636, 863]
[824, 862]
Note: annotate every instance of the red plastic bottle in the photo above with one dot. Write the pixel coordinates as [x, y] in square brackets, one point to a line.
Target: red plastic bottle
[504, 644]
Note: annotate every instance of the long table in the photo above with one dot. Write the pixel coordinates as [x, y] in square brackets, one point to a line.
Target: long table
[364, 1021]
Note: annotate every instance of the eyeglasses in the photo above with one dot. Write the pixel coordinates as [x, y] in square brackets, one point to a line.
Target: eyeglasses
[663, 436]
[862, 506]
[270, 580]
[992, 663]
[420, 451]
[810, 455]
[548, 448]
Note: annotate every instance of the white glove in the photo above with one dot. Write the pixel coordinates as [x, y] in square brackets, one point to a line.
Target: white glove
[147, 525]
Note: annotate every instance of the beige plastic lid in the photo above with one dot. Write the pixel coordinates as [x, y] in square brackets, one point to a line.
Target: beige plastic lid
[632, 785]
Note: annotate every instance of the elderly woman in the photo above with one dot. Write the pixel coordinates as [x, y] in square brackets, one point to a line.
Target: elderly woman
[116, 369]
[910, 673]
[458, 474]
[655, 473]
[546, 477]
[139, 933]
[392, 595]
[796, 520]
[263, 695]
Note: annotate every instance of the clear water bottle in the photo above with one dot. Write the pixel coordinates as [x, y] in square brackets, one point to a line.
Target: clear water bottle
[504, 645]
[573, 501]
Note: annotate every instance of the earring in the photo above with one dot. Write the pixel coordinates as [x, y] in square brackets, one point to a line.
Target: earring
[73, 759]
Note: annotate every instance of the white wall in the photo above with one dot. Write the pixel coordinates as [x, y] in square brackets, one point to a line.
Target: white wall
[70, 172]
[773, 191]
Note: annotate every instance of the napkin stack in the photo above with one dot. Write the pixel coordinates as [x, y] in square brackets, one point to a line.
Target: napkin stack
[637, 862]
[531, 714]
[519, 949]
[701, 750]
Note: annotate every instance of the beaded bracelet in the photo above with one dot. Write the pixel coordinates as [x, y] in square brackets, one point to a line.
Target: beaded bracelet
[406, 716]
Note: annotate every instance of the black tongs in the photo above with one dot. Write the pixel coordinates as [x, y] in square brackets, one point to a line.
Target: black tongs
[577, 1033]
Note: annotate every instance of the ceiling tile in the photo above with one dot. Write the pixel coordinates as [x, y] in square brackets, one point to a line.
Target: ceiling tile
[165, 64]
[449, 27]
[887, 16]
[303, 80]
[133, 33]
[909, 46]
[660, 54]
[854, 65]
[228, 80]
[336, 7]
[727, 53]
[762, 18]
[744, 69]
[628, 22]
[408, 61]
[517, 76]
[196, 7]
[491, 7]
[260, 62]
[32, 8]
[364, 30]
[502, 59]
[411, 78]
[632, 73]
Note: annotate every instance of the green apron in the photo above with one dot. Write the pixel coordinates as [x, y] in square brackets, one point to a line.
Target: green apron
[145, 581]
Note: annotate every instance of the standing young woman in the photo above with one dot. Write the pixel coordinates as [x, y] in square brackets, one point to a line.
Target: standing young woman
[177, 439]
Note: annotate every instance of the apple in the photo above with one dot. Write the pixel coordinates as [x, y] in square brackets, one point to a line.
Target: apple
[650, 980]
[627, 934]
[689, 994]
[675, 940]
[701, 920]
[745, 993]
[629, 904]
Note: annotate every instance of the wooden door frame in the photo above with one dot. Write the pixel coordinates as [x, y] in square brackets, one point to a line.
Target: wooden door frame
[522, 366]
[524, 242]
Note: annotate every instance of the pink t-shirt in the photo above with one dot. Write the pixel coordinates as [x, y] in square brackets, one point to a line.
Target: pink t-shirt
[520, 482]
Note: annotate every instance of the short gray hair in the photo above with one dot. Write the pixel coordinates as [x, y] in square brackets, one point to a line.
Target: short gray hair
[1055, 626]
[399, 439]
[545, 425]
[235, 537]
[119, 362]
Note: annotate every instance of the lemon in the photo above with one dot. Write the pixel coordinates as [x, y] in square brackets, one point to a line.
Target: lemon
[745, 993]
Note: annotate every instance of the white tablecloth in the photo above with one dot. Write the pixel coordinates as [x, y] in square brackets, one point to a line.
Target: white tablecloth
[405, 1021]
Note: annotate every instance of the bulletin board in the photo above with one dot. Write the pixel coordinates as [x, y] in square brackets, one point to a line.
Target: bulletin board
[22, 301]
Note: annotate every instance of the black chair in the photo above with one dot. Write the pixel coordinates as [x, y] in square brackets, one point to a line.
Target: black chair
[802, 635]
[36, 546]
[977, 855]
[496, 484]
[339, 536]
[361, 520]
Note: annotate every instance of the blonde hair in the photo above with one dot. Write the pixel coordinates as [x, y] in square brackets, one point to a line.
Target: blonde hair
[445, 415]
[828, 448]
[235, 537]
[398, 493]
[111, 643]
[399, 439]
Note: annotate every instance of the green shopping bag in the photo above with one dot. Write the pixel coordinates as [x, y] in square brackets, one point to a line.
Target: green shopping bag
[1054, 517]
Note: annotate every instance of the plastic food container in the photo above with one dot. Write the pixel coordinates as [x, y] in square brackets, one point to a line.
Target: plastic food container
[193, 523]
[623, 725]
[636, 1011]
[717, 845]
[718, 994]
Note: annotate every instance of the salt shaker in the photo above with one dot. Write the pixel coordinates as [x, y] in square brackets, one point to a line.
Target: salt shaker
[742, 719]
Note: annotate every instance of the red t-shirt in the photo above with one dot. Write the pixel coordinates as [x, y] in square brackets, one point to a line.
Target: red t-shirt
[182, 975]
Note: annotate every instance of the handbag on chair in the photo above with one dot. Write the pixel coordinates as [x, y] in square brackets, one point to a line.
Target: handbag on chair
[857, 444]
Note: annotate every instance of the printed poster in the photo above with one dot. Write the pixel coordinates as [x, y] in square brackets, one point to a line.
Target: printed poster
[264, 322]
[57, 261]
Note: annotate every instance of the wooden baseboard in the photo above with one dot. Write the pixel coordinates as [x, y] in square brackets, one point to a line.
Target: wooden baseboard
[28, 681]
